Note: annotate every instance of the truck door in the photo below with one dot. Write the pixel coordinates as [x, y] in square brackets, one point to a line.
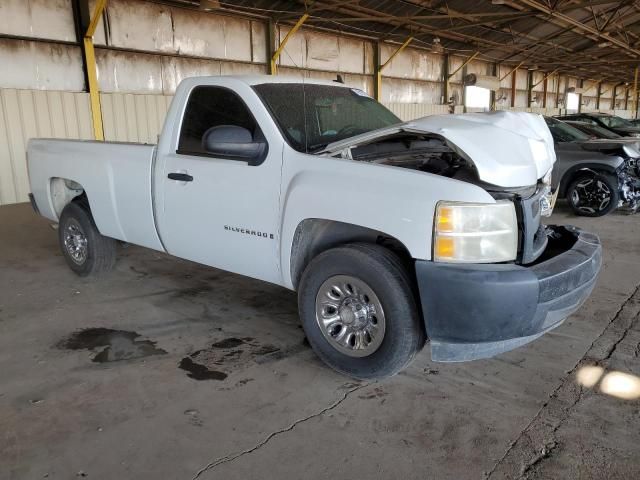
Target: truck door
[213, 208]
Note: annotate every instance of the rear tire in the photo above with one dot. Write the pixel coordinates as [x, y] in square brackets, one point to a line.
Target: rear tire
[358, 310]
[86, 251]
[593, 195]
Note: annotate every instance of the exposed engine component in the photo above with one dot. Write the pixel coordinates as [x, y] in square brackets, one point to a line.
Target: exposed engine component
[629, 180]
[633, 167]
[423, 153]
[628, 176]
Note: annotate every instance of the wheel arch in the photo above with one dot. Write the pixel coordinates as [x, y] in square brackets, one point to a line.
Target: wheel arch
[63, 191]
[316, 235]
[571, 174]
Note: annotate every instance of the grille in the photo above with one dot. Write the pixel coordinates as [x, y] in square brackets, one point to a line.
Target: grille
[533, 236]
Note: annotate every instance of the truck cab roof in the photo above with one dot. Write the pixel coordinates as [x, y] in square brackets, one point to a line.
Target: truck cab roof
[262, 79]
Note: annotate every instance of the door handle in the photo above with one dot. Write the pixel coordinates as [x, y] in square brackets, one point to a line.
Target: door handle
[181, 177]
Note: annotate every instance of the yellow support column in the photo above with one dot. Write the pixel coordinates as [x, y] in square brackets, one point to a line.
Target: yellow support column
[90, 59]
[273, 67]
[385, 64]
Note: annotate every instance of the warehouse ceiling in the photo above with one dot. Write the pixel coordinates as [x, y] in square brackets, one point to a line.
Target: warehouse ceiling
[597, 39]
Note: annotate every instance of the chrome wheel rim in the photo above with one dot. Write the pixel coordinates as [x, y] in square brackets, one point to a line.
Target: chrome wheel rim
[591, 195]
[75, 242]
[350, 316]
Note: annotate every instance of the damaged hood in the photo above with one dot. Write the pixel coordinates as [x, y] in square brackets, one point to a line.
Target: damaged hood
[508, 149]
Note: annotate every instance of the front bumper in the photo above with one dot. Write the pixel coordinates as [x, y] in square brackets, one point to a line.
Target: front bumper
[474, 311]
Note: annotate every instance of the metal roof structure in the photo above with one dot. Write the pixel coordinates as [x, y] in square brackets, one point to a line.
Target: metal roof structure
[592, 39]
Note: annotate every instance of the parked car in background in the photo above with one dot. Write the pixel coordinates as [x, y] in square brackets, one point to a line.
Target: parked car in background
[598, 132]
[596, 176]
[594, 131]
[390, 232]
[614, 123]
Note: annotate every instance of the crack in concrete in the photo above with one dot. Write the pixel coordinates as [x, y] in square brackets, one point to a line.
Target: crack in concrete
[626, 330]
[545, 453]
[550, 447]
[234, 456]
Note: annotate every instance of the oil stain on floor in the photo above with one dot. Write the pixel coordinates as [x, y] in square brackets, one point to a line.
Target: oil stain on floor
[225, 356]
[198, 371]
[113, 345]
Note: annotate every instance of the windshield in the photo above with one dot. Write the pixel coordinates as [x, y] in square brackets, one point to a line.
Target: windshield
[562, 132]
[331, 113]
[615, 122]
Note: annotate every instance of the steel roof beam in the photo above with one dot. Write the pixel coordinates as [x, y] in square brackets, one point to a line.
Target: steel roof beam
[579, 25]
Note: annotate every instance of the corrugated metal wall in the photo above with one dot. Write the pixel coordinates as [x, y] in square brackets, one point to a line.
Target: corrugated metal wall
[25, 114]
[133, 118]
[410, 111]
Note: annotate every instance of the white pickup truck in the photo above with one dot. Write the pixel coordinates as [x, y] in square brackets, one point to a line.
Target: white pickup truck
[391, 233]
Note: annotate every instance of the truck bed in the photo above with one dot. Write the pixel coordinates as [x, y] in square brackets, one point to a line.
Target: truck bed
[117, 178]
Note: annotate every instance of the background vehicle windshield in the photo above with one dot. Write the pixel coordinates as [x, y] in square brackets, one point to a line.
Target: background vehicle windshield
[596, 131]
[312, 116]
[562, 132]
[615, 122]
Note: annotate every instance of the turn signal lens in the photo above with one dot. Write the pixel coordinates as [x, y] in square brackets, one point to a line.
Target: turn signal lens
[444, 247]
[475, 232]
[444, 219]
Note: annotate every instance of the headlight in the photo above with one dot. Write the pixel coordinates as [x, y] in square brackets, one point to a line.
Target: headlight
[546, 199]
[475, 232]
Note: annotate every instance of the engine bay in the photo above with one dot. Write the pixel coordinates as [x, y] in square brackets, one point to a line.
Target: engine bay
[424, 153]
[431, 154]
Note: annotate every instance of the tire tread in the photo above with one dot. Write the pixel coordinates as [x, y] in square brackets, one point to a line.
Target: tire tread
[102, 250]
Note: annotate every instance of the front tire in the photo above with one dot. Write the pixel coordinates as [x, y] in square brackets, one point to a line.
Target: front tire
[358, 310]
[593, 195]
[86, 251]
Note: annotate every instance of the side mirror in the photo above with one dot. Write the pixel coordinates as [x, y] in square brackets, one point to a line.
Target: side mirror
[235, 143]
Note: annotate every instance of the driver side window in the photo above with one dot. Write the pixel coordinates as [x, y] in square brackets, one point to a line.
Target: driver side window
[208, 107]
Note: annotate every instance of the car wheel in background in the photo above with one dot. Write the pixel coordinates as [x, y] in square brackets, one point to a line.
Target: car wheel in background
[593, 194]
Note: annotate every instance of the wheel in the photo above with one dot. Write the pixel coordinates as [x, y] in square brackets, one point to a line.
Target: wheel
[358, 310]
[593, 195]
[86, 251]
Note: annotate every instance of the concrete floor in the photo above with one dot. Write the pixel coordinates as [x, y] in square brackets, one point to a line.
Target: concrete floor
[271, 410]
